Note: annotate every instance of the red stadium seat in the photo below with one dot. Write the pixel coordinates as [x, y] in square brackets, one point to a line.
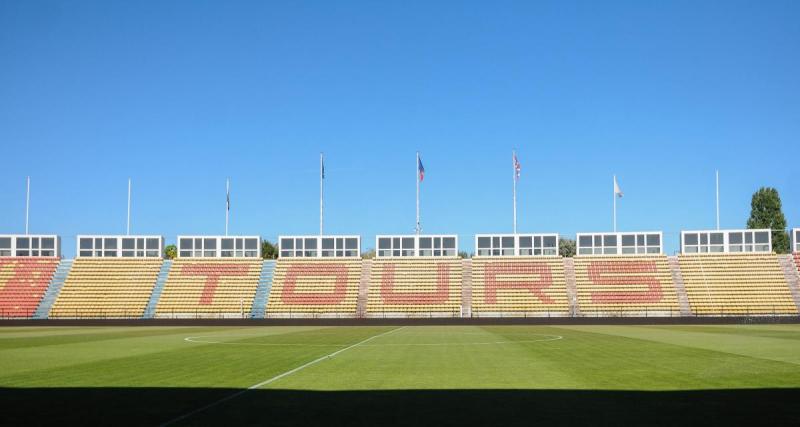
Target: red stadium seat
[23, 282]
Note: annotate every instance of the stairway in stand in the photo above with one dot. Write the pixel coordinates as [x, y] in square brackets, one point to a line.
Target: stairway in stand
[572, 290]
[150, 310]
[53, 289]
[680, 288]
[262, 291]
[790, 271]
[466, 288]
[363, 287]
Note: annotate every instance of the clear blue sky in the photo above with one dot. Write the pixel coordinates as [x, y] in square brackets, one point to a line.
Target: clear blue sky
[180, 95]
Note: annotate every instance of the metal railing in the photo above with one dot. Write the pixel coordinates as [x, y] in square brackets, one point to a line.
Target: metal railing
[9, 314]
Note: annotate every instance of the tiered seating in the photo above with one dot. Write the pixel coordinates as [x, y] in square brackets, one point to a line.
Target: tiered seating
[106, 288]
[519, 286]
[625, 285]
[736, 284]
[415, 287]
[796, 257]
[314, 287]
[209, 287]
[23, 282]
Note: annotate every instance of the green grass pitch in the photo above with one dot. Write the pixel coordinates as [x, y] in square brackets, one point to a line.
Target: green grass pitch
[388, 375]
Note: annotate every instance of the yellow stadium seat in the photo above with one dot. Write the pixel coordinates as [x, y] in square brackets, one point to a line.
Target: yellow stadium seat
[519, 286]
[736, 284]
[107, 288]
[314, 287]
[209, 288]
[625, 285]
[415, 287]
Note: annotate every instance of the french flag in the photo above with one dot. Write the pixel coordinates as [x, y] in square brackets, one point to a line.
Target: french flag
[420, 169]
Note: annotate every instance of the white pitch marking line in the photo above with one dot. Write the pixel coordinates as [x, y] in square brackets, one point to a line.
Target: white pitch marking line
[549, 338]
[273, 379]
[196, 340]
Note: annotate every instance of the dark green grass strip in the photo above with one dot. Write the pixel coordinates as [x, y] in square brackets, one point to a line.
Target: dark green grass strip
[47, 340]
[196, 365]
[607, 361]
[762, 332]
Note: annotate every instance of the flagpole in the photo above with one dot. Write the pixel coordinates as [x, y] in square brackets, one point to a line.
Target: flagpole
[717, 173]
[416, 170]
[614, 196]
[27, 203]
[128, 228]
[227, 202]
[514, 180]
[321, 194]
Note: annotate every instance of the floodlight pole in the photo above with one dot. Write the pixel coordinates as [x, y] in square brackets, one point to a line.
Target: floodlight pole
[514, 180]
[227, 203]
[128, 228]
[27, 203]
[416, 170]
[321, 192]
[717, 173]
[614, 196]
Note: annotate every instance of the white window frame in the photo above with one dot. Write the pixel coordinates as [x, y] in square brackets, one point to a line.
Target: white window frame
[99, 251]
[415, 251]
[318, 251]
[516, 249]
[795, 237]
[34, 249]
[638, 249]
[200, 251]
[726, 246]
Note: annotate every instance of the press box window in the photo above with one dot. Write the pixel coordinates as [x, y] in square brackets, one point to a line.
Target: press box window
[328, 247]
[5, 246]
[426, 246]
[407, 246]
[351, 247]
[186, 248]
[384, 246]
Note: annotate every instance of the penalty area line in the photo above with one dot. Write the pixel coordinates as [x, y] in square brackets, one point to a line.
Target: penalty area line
[273, 379]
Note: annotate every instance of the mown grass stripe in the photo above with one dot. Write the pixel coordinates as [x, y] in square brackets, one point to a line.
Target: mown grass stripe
[273, 379]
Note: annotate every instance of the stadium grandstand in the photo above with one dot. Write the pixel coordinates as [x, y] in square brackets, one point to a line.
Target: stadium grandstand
[316, 276]
[618, 274]
[112, 277]
[734, 272]
[27, 266]
[212, 277]
[624, 274]
[517, 275]
[415, 276]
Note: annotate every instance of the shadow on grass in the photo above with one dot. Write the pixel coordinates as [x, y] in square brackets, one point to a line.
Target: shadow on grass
[153, 406]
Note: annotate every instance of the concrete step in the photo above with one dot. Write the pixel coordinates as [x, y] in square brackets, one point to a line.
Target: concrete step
[680, 287]
[466, 288]
[363, 288]
[790, 272]
[262, 291]
[161, 280]
[572, 289]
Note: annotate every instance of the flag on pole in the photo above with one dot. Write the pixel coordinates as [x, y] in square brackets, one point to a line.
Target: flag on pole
[421, 169]
[617, 190]
[322, 167]
[517, 166]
